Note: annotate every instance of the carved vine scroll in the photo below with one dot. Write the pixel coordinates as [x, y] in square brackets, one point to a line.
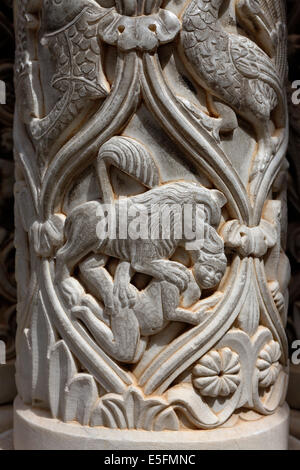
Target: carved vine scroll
[137, 105]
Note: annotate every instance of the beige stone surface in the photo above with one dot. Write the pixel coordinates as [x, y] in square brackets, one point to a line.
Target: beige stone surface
[35, 429]
[151, 223]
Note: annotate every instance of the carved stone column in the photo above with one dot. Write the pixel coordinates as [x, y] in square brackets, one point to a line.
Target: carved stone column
[7, 281]
[149, 329]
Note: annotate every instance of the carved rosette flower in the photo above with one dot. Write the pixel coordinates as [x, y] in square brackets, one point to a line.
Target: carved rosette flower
[268, 364]
[217, 373]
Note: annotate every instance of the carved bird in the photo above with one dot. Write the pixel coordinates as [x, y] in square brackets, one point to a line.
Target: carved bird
[234, 69]
[70, 32]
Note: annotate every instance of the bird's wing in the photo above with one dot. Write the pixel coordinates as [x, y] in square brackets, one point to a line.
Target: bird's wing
[252, 62]
[79, 58]
[266, 21]
[277, 10]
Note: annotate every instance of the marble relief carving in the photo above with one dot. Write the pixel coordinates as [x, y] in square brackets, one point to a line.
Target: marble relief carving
[128, 105]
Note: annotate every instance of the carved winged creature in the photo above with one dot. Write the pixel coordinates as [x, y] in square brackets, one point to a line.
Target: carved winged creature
[69, 30]
[234, 69]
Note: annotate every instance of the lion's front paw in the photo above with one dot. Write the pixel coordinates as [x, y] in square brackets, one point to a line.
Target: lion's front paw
[125, 294]
[177, 275]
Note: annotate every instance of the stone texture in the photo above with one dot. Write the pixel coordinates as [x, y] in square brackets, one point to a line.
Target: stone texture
[35, 429]
[6, 418]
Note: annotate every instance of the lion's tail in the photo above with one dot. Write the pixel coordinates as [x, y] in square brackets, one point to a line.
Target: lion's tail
[132, 157]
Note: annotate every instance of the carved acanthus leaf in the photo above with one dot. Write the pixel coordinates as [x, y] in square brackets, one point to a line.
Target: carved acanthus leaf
[134, 411]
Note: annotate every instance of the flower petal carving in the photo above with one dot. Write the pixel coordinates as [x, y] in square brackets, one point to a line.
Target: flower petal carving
[268, 364]
[217, 373]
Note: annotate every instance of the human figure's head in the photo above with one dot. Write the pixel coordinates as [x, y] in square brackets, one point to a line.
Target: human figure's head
[210, 262]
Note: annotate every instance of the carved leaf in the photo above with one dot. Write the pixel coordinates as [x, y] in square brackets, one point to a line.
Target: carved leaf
[248, 319]
[23, 367]
[80, 396]
[62, 369]
[42, 340]
[134, 411]
[167, 419]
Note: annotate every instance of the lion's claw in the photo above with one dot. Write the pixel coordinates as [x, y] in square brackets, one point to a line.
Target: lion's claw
[125, 294]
